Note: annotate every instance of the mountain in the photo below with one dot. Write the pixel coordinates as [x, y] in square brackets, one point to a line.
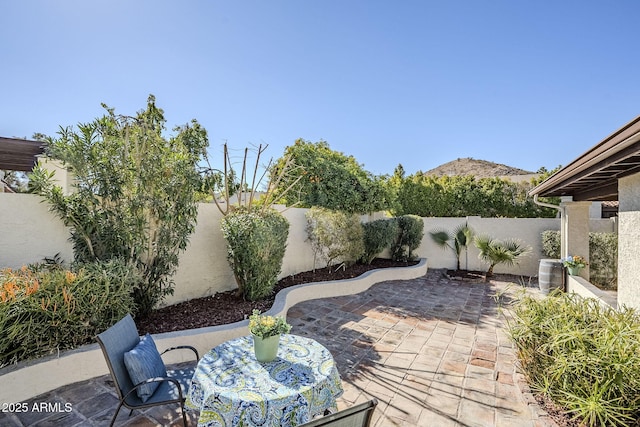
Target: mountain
[477, 168]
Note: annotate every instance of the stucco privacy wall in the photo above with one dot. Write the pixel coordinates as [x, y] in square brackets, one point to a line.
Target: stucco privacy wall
[29, 232]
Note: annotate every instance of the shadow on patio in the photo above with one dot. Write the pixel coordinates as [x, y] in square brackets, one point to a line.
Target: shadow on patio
[432, 350]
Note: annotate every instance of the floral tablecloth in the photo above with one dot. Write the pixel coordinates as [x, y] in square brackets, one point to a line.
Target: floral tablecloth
[231, 388]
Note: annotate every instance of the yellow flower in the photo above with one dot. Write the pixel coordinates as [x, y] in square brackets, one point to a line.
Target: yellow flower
[267, 326]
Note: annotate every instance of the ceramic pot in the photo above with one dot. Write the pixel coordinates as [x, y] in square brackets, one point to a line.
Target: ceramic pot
[266, 349]
[574, 271]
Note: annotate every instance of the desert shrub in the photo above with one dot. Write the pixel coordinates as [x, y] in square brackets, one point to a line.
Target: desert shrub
[45, 310]
[428, 195]
[582, 355]
[378, 235]
[409, 237]
[603, 256]
[256, 243]
[335, 236]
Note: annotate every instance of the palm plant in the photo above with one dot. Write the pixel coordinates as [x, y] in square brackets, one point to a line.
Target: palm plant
[460, 239]
[500, 252]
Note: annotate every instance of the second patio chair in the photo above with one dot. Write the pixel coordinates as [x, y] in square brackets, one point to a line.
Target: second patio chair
[355, 416]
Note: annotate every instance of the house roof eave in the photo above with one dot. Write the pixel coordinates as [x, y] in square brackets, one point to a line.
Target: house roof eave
[594, 175]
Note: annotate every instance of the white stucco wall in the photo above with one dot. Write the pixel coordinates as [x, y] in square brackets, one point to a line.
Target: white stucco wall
[29, 232]
[629, 241]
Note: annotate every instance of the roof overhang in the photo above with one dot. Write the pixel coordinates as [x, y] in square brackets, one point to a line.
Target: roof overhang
[594, 175]
[19, 154]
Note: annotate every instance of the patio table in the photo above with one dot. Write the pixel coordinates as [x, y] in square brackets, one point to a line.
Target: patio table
[231, 388]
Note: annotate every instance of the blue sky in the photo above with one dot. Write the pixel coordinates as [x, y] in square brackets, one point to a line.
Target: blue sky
[527, 83]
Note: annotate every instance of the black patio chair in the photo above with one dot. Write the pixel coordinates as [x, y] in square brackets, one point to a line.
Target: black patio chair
[157, 385]
[355, 416]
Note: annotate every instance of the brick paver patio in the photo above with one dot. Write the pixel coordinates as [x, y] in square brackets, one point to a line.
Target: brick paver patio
[432, 350]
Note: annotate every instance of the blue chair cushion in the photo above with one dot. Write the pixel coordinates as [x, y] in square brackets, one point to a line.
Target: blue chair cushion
[144, 362]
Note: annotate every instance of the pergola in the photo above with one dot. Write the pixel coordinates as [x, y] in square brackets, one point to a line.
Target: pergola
[19, 154]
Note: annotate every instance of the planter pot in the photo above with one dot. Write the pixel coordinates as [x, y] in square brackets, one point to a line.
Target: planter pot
[574, 271]
[266, 349]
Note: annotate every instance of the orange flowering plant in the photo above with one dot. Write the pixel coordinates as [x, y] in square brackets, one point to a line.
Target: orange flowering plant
[16, 284]
[45, 309]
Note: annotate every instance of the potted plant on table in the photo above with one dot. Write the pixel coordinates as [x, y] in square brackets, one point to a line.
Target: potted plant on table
[266, 331]
[574, 264]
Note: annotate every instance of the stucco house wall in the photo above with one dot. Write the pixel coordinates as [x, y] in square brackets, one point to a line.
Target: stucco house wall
[629, 241]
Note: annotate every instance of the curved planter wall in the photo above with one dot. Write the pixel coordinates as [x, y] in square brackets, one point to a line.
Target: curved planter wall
[32, 378]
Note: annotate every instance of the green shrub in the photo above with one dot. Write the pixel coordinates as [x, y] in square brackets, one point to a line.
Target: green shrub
[603, 256]
[409, 237]
[551, 243]
[45, 310]
[603, 260]
[256, 243]
[378, 235]
[582, 355]
[335, 236]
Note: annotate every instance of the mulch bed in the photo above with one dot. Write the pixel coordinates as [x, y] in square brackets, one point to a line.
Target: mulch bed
[227, 307]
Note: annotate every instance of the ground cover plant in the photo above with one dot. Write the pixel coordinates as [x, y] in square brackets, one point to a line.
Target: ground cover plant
[581, 355]
[47, 309]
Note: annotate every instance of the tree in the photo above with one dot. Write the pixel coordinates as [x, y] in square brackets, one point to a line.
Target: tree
[135, 193]
[464, 195]
[460, 239]
[331, 180]
[496, 252]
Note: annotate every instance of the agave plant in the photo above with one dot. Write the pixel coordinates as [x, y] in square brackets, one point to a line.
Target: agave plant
[460, 239]
[500, 252]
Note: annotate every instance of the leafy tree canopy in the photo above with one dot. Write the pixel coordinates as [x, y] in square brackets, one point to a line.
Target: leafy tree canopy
[136, 192]
[331, 180]
[464, 195]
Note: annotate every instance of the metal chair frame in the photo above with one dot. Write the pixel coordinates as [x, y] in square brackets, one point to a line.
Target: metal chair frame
[356, 416]
[119, 339]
